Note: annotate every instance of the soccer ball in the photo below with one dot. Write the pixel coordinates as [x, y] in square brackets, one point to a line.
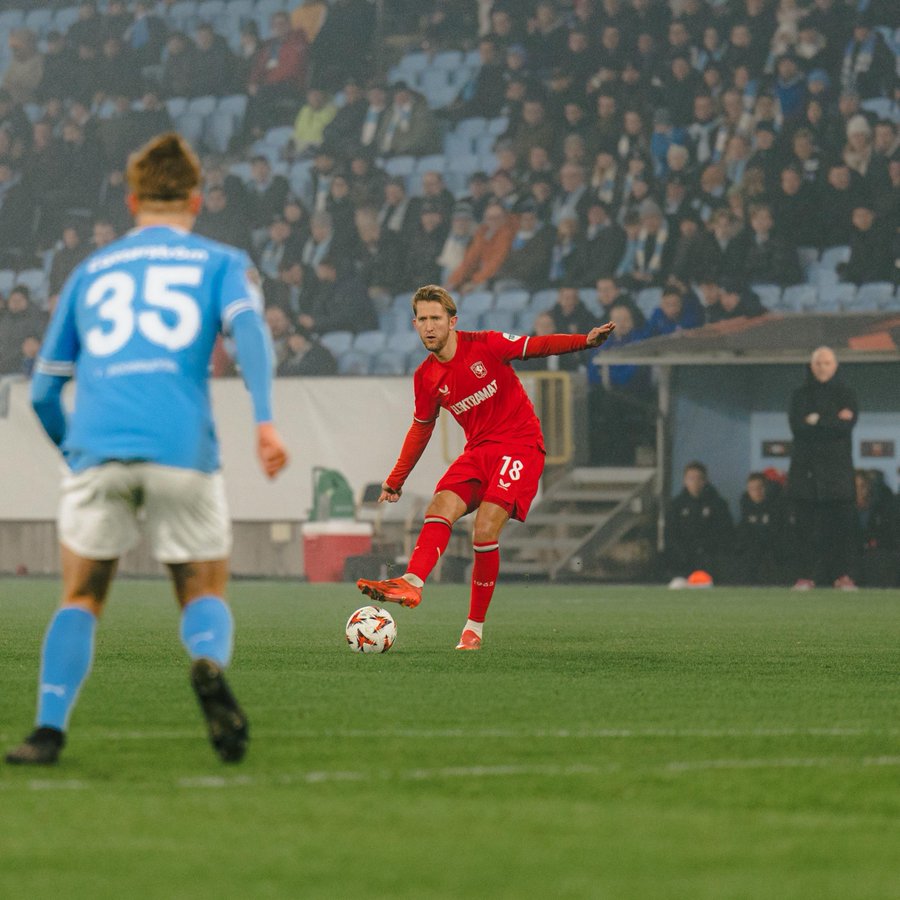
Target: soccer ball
[371, 630]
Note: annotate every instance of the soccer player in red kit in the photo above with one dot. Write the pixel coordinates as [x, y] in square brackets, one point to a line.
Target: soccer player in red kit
[469, 374]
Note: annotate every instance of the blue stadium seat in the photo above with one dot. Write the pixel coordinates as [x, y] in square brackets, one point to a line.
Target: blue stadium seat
[234, 104]
[588, 297]
[202, 106]
[414, 358]
[65, 18]
[874, 295]
[499, 320]
[834, 255]
[512, 301]
[182, 14]
[11, 18]
[416, 61]
[807, 256]
[190, 127]
[880, 106]
[456, 145]
[210, 10]
[36, 282]
[484, 144]
[176, 106]
[472, 58]
[497, 126]
[448, 59]
[298, 176]
[7, 280]
[40, 21]
[541, 300]
[473, 306]
[388, 362]
[472, 127]
[370, 341]
[218, 131]
[354, 362]
[279, 136]
[769, 295]
[648, 299]
[821, 275]
[464, 163]
[800, 298]
[34, 111]
[525, 320]
[434, 84]
[434, 163]
[337, 342]
[400, 165]
[837, 297]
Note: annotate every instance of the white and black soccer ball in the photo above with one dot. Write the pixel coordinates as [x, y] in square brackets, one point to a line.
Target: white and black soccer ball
[371, 630]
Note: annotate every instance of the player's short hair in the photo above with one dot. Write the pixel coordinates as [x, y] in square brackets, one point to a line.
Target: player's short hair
[434, 293]
[164, 170]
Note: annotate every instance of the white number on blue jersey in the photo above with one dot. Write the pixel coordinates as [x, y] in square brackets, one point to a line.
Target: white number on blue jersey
[115, 292]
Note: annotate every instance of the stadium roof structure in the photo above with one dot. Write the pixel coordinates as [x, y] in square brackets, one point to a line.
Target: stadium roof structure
[767, 340]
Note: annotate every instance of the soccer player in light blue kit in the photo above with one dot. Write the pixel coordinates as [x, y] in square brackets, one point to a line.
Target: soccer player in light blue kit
[135, 325]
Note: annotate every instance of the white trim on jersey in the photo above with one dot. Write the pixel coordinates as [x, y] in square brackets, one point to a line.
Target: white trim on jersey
[61, 368]
[235, 308]
[525, 347]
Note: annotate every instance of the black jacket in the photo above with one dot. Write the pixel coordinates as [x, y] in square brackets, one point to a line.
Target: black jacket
[698, 529]
[822, 458]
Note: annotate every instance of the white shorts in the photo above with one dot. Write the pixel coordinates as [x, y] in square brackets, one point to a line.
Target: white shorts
[184, 511]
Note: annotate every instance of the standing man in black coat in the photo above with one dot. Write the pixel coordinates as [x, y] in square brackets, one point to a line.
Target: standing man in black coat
[820, 480]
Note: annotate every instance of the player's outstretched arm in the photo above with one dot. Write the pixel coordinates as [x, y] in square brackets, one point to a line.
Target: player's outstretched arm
[596, 336]
[556, 344]
[256, 368]
[410, 453]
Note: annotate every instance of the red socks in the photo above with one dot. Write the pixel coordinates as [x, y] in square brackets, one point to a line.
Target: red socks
[432, 542]
[484, 578]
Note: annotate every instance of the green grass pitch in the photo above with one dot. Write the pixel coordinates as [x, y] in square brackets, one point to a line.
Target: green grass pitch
[608, 742]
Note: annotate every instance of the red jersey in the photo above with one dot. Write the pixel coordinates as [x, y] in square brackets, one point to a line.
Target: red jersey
[480, 389]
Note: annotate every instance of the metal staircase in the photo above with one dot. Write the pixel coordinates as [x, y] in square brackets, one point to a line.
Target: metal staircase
[583, 513]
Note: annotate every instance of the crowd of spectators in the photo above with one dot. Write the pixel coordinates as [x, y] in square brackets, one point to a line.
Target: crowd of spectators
[695, 147]
[763, 546]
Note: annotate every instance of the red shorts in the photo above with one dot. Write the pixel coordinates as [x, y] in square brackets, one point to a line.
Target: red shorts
[499, 473]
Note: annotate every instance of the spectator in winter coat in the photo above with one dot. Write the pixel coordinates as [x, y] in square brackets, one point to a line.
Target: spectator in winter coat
[758, 551]
[822, 415]
[677, 311]
[871, 252]
[698, 528]
[876, 531]
[488, 251]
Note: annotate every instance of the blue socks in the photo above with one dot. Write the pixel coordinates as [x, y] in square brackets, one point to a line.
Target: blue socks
[207, 630]
[65, 662]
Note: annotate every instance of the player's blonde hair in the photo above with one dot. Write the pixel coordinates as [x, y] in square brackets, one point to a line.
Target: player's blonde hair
[164, 171]
[434, 293]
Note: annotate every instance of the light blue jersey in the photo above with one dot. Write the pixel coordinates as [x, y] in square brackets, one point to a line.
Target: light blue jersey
[136, 324]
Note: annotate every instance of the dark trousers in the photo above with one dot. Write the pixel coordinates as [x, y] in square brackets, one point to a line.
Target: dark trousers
[824, 535]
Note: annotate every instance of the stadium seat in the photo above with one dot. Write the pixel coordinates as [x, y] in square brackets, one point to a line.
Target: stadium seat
[337, 342]
[414, 358]
[874, 295]
[499, 320]
[648, 299]
[233, 104]
[34, 111]
[473, 306]
[210, 10]
[400, 165]
[448, 59]
[807, 256]
[436, 162]
[39, 21]
[10, 19]
[769, 295]
[880, 106]
[190, 127]
[800, 298]
[512, 301]
[434, 84]
[388, 362]
[821, 275]
[471, 128]
[278, 136]
[218, 131]
[542, 300]
[65, 18]
[456, 145]
[370, 341]
[497, 126]
[176, 106]
[181, 15]
[298, 176]
[354, 362]
[485, 144]
[834, 255]
[7, 280]
[202, 106]
[416, 61]
[588, 296]
[241, 170]
[464, 164]
[525, 320]
[36, 282]
[837, 297]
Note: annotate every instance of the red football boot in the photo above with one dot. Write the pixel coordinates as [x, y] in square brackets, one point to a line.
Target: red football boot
[469, 641]
[394, 590]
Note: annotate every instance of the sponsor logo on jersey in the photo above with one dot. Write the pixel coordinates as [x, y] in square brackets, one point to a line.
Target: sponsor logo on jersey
[512, 337]
[475, 399]
[479, 368]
